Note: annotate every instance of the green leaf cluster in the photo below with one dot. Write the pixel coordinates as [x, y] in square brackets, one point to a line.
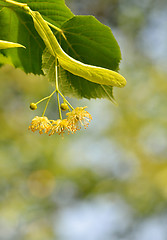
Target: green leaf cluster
[89, 55]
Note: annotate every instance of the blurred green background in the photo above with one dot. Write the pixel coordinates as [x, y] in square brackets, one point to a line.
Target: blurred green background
[108, 182]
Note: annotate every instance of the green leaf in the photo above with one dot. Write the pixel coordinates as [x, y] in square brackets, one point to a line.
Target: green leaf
[6, 44]
[76, 33]
[82, 37]
[54, 11]
[91, 73]
[91, 42]
[17, 26]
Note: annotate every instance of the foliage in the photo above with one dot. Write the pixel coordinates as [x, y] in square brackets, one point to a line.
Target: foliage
[82, 37]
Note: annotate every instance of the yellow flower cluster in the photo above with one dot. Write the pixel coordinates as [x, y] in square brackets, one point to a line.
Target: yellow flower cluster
[75, 119]
[40, 123]
[78, 117]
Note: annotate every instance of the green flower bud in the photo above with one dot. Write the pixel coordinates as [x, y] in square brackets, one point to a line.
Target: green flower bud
[64, 106]
[33, 106]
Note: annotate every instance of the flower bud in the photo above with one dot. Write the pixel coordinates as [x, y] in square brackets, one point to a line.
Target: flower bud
[33, 106]
[64, 106]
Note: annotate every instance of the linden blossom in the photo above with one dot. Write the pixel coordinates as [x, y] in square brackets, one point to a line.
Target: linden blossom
[78, 117]
[40, 123]
[75, 119]
[60, 126]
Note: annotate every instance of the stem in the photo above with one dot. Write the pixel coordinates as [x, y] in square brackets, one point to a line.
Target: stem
[24, 6]
[58, 101]
[58, 92]
[57, 88]
[49, 97]
[53, 26]
[57, 29]
[45, 107]
[15, 3]
[66, 100]
[45, 97]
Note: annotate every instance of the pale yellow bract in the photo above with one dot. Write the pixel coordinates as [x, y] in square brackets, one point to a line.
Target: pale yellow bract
[6, 44]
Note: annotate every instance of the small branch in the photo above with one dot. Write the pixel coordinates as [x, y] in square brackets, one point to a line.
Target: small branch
[45, 97]
[57, 88]
[65, 100]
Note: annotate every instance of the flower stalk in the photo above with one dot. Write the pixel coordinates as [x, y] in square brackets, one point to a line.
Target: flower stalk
[76, 118]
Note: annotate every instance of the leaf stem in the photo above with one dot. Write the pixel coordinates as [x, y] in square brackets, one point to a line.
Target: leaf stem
[57, 88]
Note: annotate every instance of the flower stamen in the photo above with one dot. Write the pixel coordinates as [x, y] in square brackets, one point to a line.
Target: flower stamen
[60, 126]
[40, 123]
[78, 117]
